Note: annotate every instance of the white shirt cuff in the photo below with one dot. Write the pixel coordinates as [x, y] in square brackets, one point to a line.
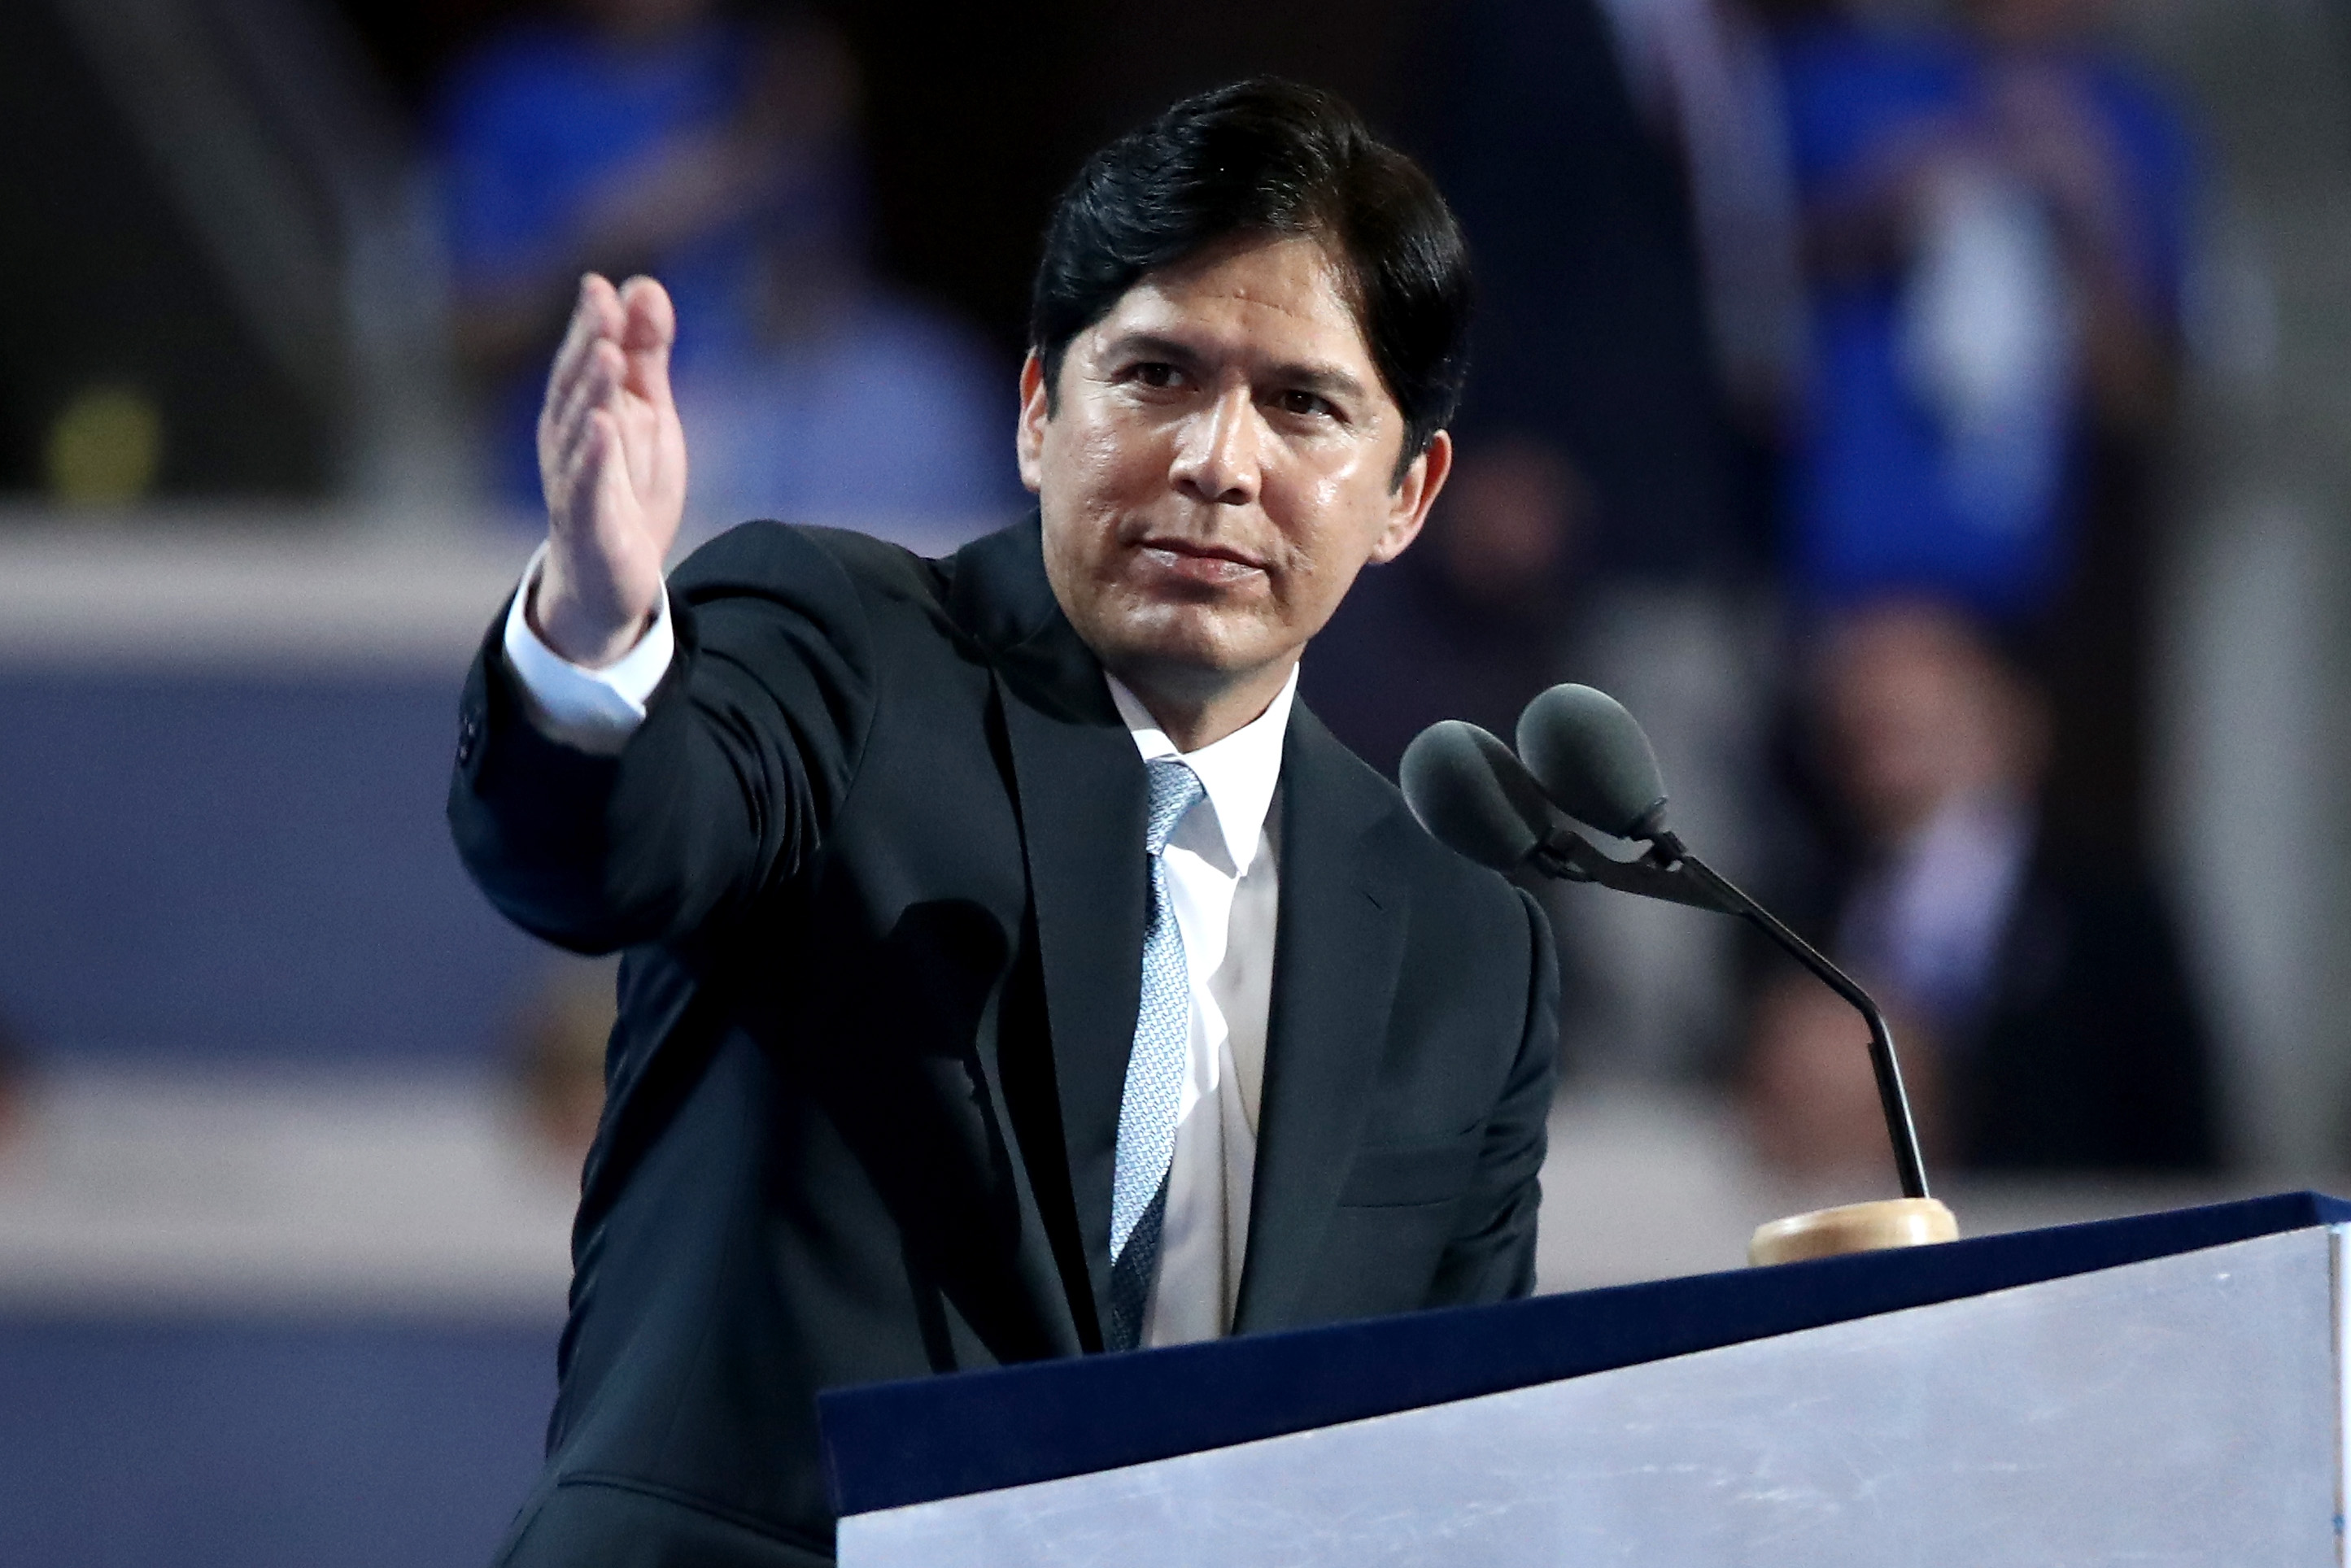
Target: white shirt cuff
[589, 710]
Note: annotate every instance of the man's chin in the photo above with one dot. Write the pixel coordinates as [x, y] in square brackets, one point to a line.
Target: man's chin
[1185, 652]
[1213, 637]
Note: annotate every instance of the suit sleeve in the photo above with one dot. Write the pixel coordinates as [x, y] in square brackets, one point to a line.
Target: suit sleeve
[1493, 1256]
[748, 746]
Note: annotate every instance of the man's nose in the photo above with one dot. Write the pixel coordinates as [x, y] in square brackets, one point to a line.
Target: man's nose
[1218, 459]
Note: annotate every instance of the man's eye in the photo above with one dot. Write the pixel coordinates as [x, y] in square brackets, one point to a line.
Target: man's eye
[1307, 403]
[1154, 373]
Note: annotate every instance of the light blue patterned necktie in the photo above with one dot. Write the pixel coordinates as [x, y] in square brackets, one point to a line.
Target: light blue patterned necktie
[1155, 1074]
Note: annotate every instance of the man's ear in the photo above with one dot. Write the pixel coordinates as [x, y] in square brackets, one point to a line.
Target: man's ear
[1030, 437]
[1408, 504]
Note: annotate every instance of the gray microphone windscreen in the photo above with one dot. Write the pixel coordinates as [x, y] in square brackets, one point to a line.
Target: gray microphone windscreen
[1592, 757]
[1473, 795]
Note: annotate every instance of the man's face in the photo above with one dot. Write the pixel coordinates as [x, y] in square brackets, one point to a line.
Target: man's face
[1218, 468]
[1919, 712]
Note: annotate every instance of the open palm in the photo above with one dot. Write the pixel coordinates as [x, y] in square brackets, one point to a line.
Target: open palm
[612, 460]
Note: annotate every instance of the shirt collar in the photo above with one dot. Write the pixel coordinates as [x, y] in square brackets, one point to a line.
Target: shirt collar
[1987, 829]
[1239, 772]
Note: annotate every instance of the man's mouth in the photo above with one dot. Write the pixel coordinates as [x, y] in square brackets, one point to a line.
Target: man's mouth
[1200, 561]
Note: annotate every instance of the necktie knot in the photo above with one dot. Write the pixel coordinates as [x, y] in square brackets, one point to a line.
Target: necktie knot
[1174, 790]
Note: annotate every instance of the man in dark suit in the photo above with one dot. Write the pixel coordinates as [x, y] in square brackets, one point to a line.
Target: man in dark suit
[2047, 1015]
[1013, 968]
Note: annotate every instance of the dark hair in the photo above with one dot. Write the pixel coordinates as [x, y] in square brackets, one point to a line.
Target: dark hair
[1269, 157]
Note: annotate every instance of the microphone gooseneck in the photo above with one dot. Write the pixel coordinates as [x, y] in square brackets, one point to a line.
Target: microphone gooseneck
[1669, 855]
[1591, 757]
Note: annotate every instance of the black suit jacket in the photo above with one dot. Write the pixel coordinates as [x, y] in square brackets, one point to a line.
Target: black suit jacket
[875, 854]
[2090, 1052]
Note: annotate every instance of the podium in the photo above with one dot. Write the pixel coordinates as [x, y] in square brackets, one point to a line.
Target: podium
[2165, 1389]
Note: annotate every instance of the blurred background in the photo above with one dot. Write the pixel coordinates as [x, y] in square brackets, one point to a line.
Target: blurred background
[1933, 420]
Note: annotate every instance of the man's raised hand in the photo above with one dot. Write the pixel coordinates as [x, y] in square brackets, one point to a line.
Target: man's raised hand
[612, 459]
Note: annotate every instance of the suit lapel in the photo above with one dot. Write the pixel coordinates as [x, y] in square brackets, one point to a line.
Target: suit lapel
[1338, 938]
[1080, 793]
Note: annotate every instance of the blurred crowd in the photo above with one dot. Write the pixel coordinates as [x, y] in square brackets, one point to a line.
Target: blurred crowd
[718, 152]
[1825, 358]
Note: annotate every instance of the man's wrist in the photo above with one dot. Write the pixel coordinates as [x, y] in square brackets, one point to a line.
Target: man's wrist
[576, 637]
[591, 708]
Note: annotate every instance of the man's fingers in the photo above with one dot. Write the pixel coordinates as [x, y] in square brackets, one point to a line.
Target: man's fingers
[618, 505]
[600, 302]
[569, 500]
[648, 319]
[561, 431]
[591, 453]
[648, 330]
[585, 467]
[562, 428]
[582, 328]
[597, 317]
[595, 436]
[603, 541]
[597, 380]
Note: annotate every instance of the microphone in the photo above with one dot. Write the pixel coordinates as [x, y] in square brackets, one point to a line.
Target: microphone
[1473, 796]
[1591, 758]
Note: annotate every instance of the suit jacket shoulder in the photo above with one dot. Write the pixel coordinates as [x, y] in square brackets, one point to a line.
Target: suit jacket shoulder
[786, 638]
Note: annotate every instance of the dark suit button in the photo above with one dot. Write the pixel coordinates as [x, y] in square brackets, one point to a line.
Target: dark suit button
[469, 738]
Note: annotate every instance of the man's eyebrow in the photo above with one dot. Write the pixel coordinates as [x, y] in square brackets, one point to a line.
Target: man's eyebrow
[1318, 379]
[1151, 345]
[1304, 377]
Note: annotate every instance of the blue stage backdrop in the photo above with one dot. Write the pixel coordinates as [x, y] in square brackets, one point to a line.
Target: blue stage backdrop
[236, 865]
[192, 1443]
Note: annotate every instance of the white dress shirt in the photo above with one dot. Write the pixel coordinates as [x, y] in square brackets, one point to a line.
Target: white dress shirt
[592, 709]
[1929, 919]
[1223, 876]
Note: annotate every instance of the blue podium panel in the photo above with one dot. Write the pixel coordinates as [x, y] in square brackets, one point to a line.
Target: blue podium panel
[2165, 1388]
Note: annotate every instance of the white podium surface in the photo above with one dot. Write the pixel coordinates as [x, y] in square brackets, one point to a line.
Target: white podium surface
[2188, 1411]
